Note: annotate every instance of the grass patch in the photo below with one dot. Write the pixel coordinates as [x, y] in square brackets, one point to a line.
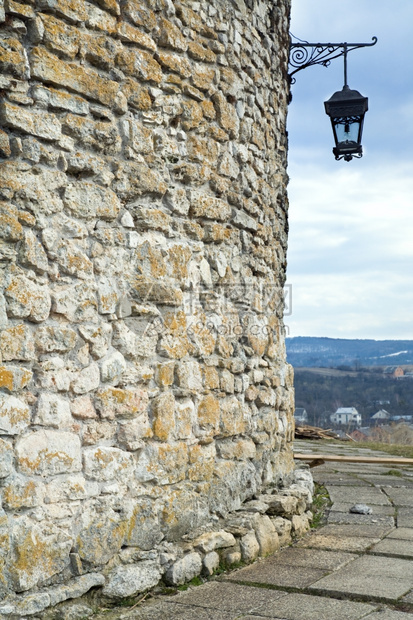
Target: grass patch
[321, 505]
[394, 472]
[196, 581]
[389, 448]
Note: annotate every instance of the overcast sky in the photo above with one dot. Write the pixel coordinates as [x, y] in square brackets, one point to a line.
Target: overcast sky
[350, 258]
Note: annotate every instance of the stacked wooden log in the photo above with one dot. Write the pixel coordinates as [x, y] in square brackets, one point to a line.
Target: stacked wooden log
[314, 432]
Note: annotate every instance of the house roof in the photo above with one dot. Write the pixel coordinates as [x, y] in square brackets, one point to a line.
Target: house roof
[347, 410]
[299, 411]
[390, 369]
[382, 414]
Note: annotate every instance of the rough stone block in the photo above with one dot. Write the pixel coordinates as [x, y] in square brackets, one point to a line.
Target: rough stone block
[130, 580]
[87, 379]
[50, 69]
[6, 458]
[47, 453]
[14, 378]
[204, 205]
[140, 64]
[250, 547]
[214, 540]
[114, 402]
[14, 415]
[53, 411]
[13, 58]
[25, 299]
[184, 570]
[73, 10]
[21, 492]
[103, 463]
[41, 124]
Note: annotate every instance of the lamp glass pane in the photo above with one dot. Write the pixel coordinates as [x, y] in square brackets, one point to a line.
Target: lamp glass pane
[347, 130]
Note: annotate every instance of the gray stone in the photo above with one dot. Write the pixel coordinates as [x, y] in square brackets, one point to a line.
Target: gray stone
[210, 563]
[130, 580]
[184, 570]
[250, 547]
[213, 540]
[14, 415]
[361, 509]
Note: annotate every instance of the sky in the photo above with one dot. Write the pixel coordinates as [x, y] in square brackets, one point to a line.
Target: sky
[350, 256]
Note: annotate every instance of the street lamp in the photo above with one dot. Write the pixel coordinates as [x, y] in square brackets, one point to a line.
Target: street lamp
[347, 107]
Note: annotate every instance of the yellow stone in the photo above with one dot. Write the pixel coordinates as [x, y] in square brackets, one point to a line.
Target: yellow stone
[209, 412]
[163, 410]
[175, 63]
[48, 68]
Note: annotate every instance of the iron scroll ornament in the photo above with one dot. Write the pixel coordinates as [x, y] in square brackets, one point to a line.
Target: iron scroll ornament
[304, 54]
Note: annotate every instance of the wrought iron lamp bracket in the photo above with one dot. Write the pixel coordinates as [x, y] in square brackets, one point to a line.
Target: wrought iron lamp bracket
[304, 54]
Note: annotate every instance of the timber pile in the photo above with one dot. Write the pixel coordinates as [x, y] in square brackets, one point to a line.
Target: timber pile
[314, 432]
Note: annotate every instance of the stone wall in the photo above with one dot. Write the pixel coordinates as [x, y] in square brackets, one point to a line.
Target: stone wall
[144, 393]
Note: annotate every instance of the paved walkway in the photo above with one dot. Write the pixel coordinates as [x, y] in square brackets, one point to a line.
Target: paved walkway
[356, 566]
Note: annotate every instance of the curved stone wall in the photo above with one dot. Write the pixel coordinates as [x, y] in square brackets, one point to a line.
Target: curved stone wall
[144, 393]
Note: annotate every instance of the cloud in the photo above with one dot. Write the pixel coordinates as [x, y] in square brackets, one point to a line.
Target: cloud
[350, 258]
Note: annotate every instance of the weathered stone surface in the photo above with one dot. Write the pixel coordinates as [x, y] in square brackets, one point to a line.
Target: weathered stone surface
[104, 463]
[203, 205]
[42, 125]
[50, 339]
[25, 299]
[47, 453]
[53, 411]
[210, 563]
[49, 69]
[6, 458]
[144, 390]
[250, 547]
[140, 64]
[22, 492]
[32, 253]
[115, 402]
[14, 378]
[88, 200]
[13, 58]
[130, 580]
[16, 343]
[266, 535]
[214, 540]
[37, 552]
[90, 544]
[14, 415]
[87, 379]
[184, 570]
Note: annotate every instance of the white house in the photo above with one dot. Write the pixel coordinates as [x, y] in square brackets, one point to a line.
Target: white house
[346, 415]
[300, 415]
[381, 416]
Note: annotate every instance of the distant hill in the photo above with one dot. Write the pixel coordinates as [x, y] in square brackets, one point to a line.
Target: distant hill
[309, 352]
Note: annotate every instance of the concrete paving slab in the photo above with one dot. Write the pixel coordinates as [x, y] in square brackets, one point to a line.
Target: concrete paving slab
[389, 481]
[389, 614]
[401, 497]
[357, 495]
[277, 575]
[402, 533]
[171, 611]
[312, 558]
[228, 596]
[404, 521]
[348, 518]
[385, 589]
[371, 577]
[302, 607]
[333, 543]
[376, 530]
[377, 510]
[391, 546]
